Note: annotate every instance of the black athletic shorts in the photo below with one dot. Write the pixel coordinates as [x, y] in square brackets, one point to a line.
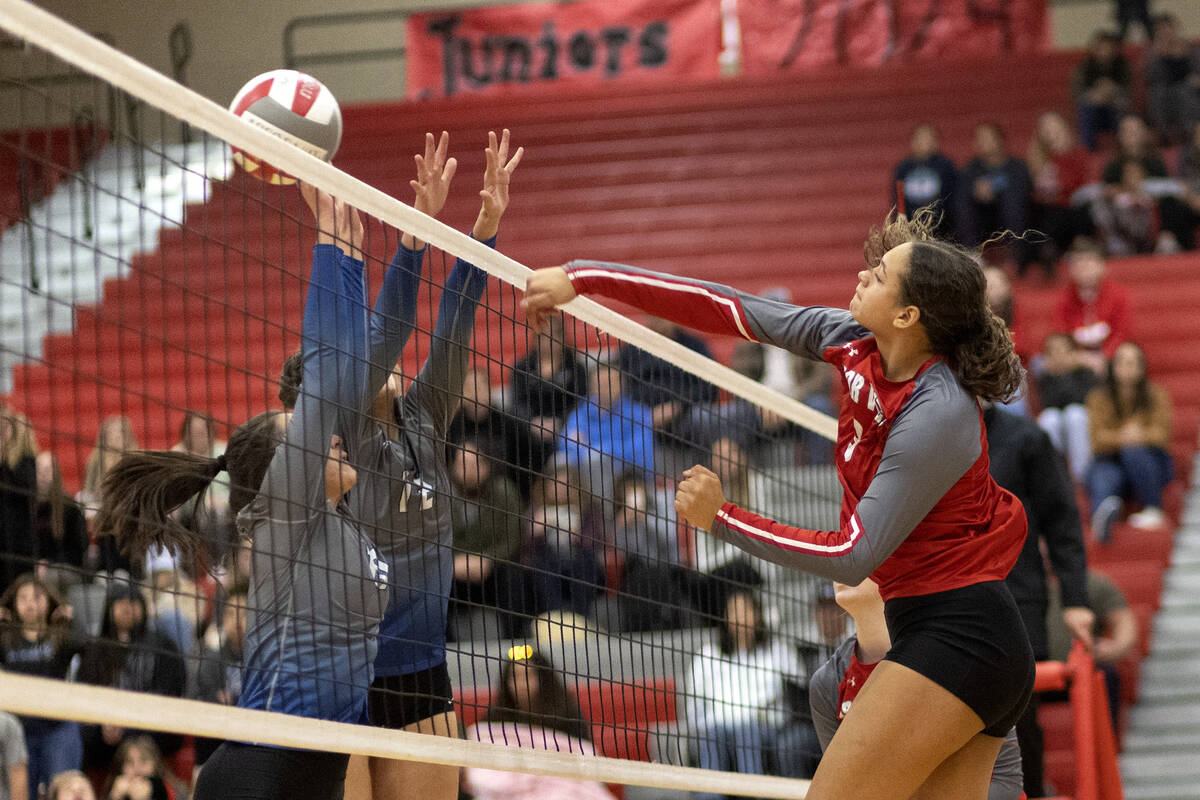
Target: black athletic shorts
[396, 701]
[971, 642]
[239, 771]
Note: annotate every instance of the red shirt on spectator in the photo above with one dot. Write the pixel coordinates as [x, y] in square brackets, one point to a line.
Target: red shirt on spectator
[1099, 324]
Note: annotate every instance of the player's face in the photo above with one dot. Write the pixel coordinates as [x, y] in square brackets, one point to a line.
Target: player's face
[339, 475]
[876, 300]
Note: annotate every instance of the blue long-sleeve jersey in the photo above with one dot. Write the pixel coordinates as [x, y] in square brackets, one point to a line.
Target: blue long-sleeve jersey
[404, 487]
[319, 585]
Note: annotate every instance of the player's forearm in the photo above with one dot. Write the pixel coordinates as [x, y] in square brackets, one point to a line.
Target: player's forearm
[394, 316]
[844, 555]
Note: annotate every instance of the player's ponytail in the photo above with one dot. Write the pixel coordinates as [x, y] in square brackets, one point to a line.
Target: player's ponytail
[143, 489]
[947, 285]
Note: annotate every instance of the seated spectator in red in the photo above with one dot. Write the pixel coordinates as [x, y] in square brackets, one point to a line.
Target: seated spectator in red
[59, 529]
[138, 772]
[1091, 308]
[1058, 166]
[1064, 383]
[994, 193]
[1172, 81]
[1114, 634]
[532, 709]
[1100, 86]
[926, 177]
[1130, 421]
[1135, 141]
[1126, 216]
[129, 655]
[36, 639]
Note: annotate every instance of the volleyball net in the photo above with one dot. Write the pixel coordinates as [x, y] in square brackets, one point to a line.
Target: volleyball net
[152, 296]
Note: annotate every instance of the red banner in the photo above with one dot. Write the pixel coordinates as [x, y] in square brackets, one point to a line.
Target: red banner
[791, 35]
[502, 48]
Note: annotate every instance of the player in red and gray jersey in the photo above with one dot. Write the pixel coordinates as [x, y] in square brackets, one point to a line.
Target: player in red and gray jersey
[920, 514]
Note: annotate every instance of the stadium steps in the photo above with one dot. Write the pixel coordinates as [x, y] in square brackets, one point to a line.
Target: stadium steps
[73, 255]
[1163, 738]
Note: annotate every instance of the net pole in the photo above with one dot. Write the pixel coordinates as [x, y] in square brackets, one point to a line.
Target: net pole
[44, 697]
[38, 27]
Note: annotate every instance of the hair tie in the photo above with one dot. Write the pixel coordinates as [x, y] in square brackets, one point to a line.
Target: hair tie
[222, 463]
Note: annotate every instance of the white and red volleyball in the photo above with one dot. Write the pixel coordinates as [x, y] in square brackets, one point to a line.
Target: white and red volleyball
[295, 107]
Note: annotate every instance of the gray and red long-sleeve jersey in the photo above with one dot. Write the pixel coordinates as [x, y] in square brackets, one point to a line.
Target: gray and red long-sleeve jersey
[920, 513]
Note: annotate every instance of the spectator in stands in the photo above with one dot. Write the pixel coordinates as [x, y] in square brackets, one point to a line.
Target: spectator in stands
[1114, 632]
[18, 487]
[1063, 382]
[1134, 11]
[1000, 301]
[1135, 142]
[1091, 308]
[114, 439]
[14, 779]
[219, 668]
[994, 193]
[36, 639]
[486, 515]
[209, 513]
[1058, 167]
[668, 391]
[1130, 420]
[532, 708]
[70, 785]
[1023, 461]
[1100, 86]
[926, 178]
[138, 772]
[128, 655]
[59, 530]
[830, 617]
[558, 570]
[610, 432]
[504, 435]
[653, 585]
[1189, 168]
[836, 684]
[176, 607]
[1126, 216]
[737, 695]
[550, 379]
[1172, 81]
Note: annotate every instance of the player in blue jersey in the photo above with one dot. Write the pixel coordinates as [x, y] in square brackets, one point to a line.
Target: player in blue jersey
[404, 487]
[319, 585]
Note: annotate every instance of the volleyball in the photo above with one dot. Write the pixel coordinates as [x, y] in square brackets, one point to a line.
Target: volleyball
[295, 107]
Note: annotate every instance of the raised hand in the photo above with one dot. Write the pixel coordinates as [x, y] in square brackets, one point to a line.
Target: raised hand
[699, 497]
[434, 173]
[545, 290]
[496, 177]
[432, 186]
[337, 223]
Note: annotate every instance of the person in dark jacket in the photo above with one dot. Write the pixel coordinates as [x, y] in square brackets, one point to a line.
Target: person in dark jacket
[1100, 85]
[926, 178]
[129, 655]
[994, 193]
[1024, 461]
[18, 481]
